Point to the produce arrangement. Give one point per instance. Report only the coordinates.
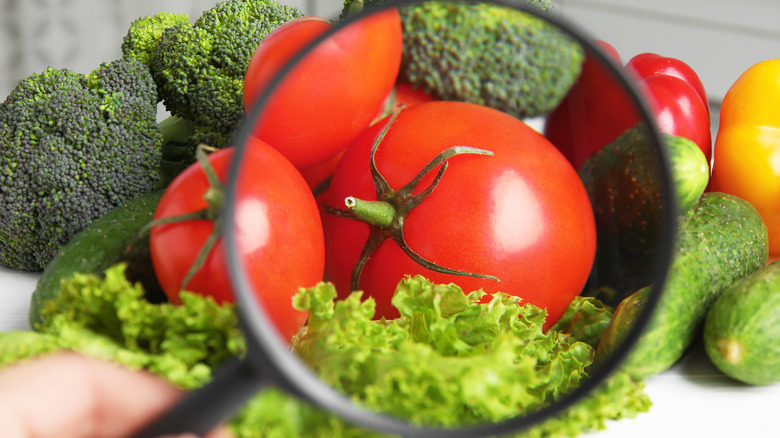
(417, 242)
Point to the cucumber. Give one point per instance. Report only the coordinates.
(108, 240)
(690, 170)
(720, 240)
(742, 328)
(623, 183)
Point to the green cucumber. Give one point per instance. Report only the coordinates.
(690, 170)
(623, 183)
(720, 240)
(742, 329)
(108, 240)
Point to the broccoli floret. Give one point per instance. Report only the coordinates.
(200, 68)
(72, 147)
(486, 54)
(144, 34)
(181, 137)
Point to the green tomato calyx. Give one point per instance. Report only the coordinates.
(379, 213)
(386, 215)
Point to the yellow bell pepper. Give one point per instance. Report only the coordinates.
(747, 147)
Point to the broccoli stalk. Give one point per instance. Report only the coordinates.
(73, 147)
(181, 139)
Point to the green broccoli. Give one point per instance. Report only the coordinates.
(72, 147)
(144, 34)
(199, 68)
(181, 136)
(486, 54)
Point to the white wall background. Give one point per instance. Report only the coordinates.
(719, 38)
(79, 34)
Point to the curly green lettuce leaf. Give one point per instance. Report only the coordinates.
(448, 353)
(440, 358)
(448, 360)
(275, 414)
(585, 318)
(109, 318)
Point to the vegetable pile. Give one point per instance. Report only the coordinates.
(420, 246)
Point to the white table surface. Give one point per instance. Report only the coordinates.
(690, 400)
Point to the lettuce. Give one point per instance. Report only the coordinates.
(108, 318)
(449, 360)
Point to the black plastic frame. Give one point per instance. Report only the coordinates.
(268, 361)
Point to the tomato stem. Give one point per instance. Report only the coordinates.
(377, 213)
(386, 215)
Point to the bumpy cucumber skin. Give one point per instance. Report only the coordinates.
(106, 241)
(719, 241)
(742, 329)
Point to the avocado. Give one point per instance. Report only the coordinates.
(742, 328)
(720, 240)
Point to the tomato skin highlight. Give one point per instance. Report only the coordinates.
(278, 232)
(521, 215)
(333, 93)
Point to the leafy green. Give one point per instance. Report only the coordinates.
(448, 360)
(586, 318)
(109, 318)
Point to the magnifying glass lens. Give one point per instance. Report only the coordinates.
(458, 195)
(497, 189)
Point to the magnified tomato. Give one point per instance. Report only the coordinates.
(333, 93)
(278, 233)
(516, 220)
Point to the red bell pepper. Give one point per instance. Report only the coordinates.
(597, 109)
(648, 64)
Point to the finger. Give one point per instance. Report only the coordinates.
(71, 396)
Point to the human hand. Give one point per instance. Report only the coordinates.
(71, 396)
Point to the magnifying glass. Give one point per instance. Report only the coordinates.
(577, 204)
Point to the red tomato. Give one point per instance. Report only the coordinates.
(278, 229)
(317, 176)
(521, 215)
(335, 91)
(403, 96)
(406, 95)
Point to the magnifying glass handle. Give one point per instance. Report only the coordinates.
(203, 409)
